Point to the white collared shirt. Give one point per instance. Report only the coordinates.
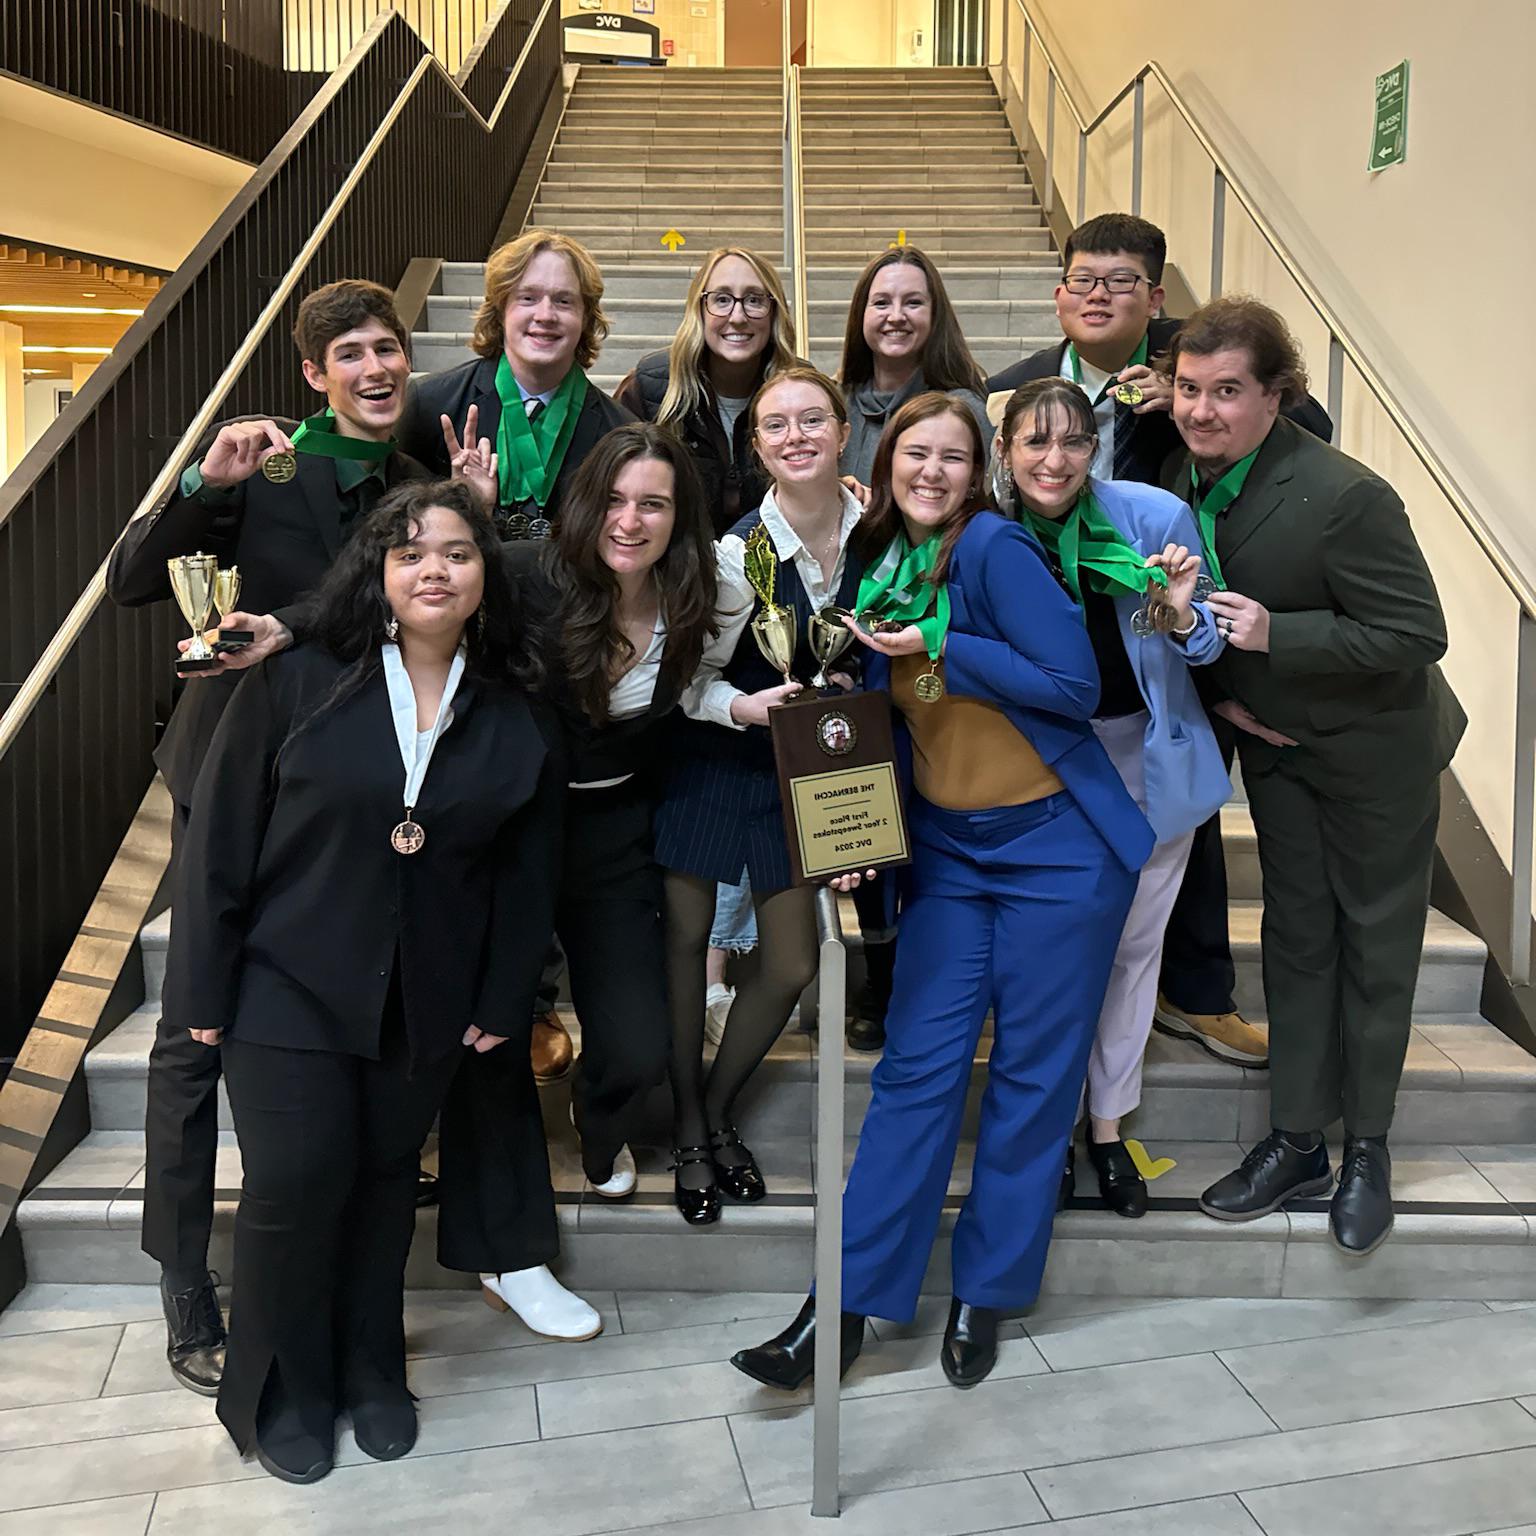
(709, 695)
(1093, 381)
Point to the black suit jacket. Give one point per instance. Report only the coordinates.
(284, 539)
(291, 906)
(452, 392)
(1155, 439)
(1355, 623)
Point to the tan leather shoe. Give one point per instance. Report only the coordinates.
(552, 1051)
(1227, 1036)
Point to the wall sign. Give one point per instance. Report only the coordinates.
(1389, 132)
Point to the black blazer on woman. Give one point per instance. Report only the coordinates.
(291, 906)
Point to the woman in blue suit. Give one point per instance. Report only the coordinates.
(1101, 537)
(1025, 850)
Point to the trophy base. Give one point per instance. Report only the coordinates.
(196, 663)
(233, 639)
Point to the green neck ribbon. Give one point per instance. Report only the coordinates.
(896, 587)
(315, 436)
(530, 453)
(1089, 547)
(1216, 501)
(1138, 360)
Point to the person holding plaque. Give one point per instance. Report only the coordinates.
(1128, 556)
(275, 501)
(1025, 850)
(518, 419)
(367, 889)
(721, 815)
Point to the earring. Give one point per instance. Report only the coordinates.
(392, 629)
(1002, 485)
(480, 622)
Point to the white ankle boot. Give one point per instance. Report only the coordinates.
(544, 1305)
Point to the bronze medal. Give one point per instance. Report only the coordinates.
(408, 837)
(1129, 394)
(280, 467)
(929, 688)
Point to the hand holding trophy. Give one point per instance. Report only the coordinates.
(226, 600)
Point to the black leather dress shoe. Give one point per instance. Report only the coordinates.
(865, 1034)
(1360, 1216)
(741, 1178)
(384, 1422)
(969, 1350)
(1068, 1178)
(1121, 1186)
(698, 1207)
(788, 1360)
(1271, 1174)
(194, 1335)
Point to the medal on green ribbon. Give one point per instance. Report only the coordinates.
(1126, 394)
(1091, 551)
(315, 436)
(896, 591)
(530, 453)
(1210, 506)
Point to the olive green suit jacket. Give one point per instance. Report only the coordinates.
(1355, 631)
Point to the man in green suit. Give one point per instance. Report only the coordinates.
(1333, 629)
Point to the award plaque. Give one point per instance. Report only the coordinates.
(193, 578)
(226, 598)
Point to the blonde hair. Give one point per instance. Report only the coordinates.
(504, 271)
(685, 357)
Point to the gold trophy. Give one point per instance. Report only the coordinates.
(829, 638)
(193, 578)
(773, 627)
(226, 599)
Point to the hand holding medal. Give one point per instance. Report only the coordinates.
(903, 612)
(243, 447)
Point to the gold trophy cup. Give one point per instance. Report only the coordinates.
(226, 599)
(193, 578)
(829, 638)
(773, 626)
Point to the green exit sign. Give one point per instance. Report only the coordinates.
(1389, 137)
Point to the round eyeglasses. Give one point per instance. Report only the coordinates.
(755, 305)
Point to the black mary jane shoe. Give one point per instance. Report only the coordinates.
(1121, 1186)
(698, 1207)
(969, 1350)
(1068, 1178)
(742, 1180)
(194, 1335)
(788, 1360)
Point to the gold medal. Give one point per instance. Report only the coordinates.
(407, 837)
(280, 467)
(929, 688)
(1129, 394)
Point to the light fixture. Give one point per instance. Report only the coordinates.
(64, 309)
(74, 351)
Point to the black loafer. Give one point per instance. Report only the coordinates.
(1121, 1186)
(740, 1180)
(1272, 1173)
(698, 1207)
(194, 1336)
(290, 1454)
(969, 1350)
(788, 1360)
(1360, 1216)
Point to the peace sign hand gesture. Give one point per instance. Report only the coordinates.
(473, 460)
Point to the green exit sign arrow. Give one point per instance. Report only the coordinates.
(1389, 134)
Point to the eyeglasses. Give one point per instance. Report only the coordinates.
(1083, 283)
(774, 429)
(1076, 446)
(721, 301)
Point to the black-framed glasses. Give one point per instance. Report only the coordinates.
(1083, 283)
(755, 304)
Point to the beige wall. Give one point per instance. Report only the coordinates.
(862, 34)
(84, 180)
(1285, 91)
(698, 39)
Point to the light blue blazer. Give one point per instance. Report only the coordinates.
(1187, 782)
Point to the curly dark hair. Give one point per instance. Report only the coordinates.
(1239, 323)
(594, 650)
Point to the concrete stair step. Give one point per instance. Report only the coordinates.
(722, 161)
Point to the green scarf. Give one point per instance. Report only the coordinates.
(315, 436)
(1216, 501)
(530, 453)
(1089, 547)
(896, 587)
(1138, 360)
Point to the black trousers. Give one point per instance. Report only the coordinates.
(181, 1128)
(331, 1150)
(1197, 971)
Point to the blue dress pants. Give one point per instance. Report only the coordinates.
(1019, 910)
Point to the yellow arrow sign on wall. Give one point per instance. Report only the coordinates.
(672, 240)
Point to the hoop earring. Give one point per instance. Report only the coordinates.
(392, 629)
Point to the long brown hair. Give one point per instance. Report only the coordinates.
(946, 363)
(882, 521)
(594, 649)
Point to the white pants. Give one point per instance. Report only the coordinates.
(1114, 1067)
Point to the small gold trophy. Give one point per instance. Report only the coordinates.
(193, 578)
(829, 638)
(773, 627)
(226, 599)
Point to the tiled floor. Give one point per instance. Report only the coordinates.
(1105, 1417)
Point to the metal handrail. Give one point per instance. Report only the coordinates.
(68, 633)
(1342, 347)
(799, 279)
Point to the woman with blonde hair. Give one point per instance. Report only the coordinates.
(736, 333)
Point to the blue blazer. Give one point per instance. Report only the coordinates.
(1186, 780)
(1017, 640)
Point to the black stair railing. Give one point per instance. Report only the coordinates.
(393, 159)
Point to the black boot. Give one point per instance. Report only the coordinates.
(1275, 1171)
(288, 1450)
(383, 1416)
(1121, 1186)
(1068, 1178)
(194, 1334)
(787, 1360)
(969, 1350)
(866, 1030)
(1360, 1216)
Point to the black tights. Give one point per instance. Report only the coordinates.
(786, 939)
